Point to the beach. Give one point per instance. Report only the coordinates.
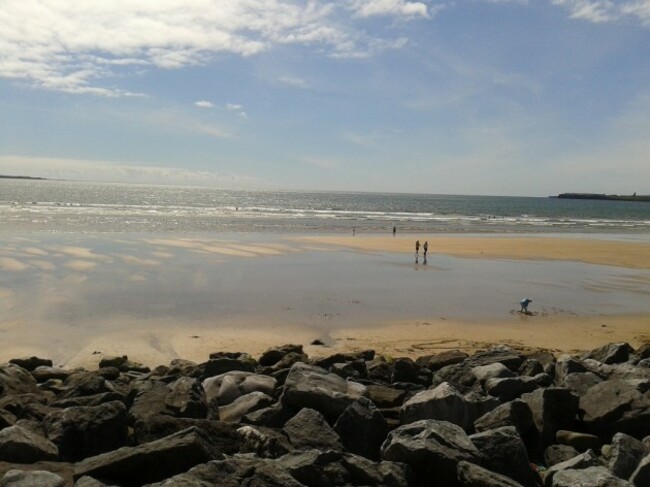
(155, 298)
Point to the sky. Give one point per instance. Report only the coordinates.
(492, 97)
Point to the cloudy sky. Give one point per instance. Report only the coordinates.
(500, 97)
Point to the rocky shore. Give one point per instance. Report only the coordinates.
(495, 418)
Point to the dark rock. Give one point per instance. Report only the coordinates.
(406, 370)
(355, 370)
(503, 451)
(385, 397)
(641, 476)
(19, 445)
(123, 364)
(471, 475)
(186, 398)
(31, 478)
(379, 370)
(617, 406)
(431, 448)
(244, 405)
(587, 477)
(566, 365)
(366, 472)
(15, 380)
(223, 436)
(514, 413)
(555, 454)
(500, 353)
(263, 442)
(460, 376)
(531, 367)
(218, 366)
(579, 441)
(84, 384)
(25, 406)
(510, 388)
(308, 429)
(553, 409)
(80, 432)
(580, 382)
(339, 358)
(315, 388)
(94, 400)
(151, 462)
(544, 380)
(150, 399)
(614, 353)
(316, 469)
(274, 416)
(275, 354)
(579, 462)
(288, 360)
(362, 428)
(625, 454)
(492, 371)
(30, 363)
(442, 359)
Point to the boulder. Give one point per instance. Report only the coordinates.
(353, 370)
(460, 376)
(579, 441)
(186, 398)
(31, 478)
(406, 370)
(149, 399)
(530, 368)
(579, 462)
(555, 454)
(617, 406)
(273, 416)
(275, 354)
(442, 359)
(341, 358)
(379, 370)
(471, 475)
(83, 383)
(503, 451)
(14, 380)
(225, 388)
(613, 353)
(315, 468)
(501, 354)
(19, 445)
(30, 363)
(263, 442)
(315, 388)
(641, 476)
(431, 448)
(384, 396)
(308, 429)
(596, 476)
(150, 462)
(244, 405)
(553, 409)
(580, 382)
(80, 432)
(221, 365)
(362, 428)
(514, 413)
(507, 389)
(625, 455)
(94, 400)
(492, 371)
(566, 365)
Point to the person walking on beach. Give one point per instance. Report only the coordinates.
(425, 248)
(394, 230)
(417, 250)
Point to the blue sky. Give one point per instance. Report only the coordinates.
(496, 97)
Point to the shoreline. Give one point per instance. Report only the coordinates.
(327, 312)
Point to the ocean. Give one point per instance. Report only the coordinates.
(67, 206)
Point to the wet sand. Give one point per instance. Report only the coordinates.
(154, 299)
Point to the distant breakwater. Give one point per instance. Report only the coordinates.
(608, 197)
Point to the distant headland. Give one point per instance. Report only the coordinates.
(4, 176)
(609, 197)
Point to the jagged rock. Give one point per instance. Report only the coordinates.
(15, 380)
(613, 353)
(385, 397)
(263, 442)
(555, 454)
(123, 364)
(514, 413)
(83, 383)
(339, 358)
(244, 405)
(221, 365)
(510, 388)
(566, 365)
(625, 454)
(379, 370)
(223, 436)
(500, 353)
(149, 399)
(531, 367)
(445, 403)
(87, 481)
(274, 416)
(317, 469)
(617, 406)
(94, 400)
(31, 478)
(179, 366)
(225, 388)
(588, 477)
(553, 409)
(308, 429)
(641, 476)
(80, 432)
(313, 387)
(24, 406)
(503, 451)
(366, 472)
(580, 382)
(186, 398)
(492, 371)
(579, 441)
(151, 462)
(109, 373)
(431, 448)
(471, 475)
(30, 363)
(579, 462)
(625, 371)
(275, 354)
(460, 376)
(442, 359)
(288, 360)
(354, 370)
(362, 428)
(19, 445)
(406, 370)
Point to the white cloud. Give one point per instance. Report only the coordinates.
(75, 47)
(293, 81)
(204, 104)
(238, 109)
(600, 11)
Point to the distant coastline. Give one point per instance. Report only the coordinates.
(4, 176)
(608, 197)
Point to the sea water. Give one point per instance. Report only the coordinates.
(67, 206)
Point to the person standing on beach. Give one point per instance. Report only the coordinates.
(394, 230)
(425, 248)
(417, 250)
